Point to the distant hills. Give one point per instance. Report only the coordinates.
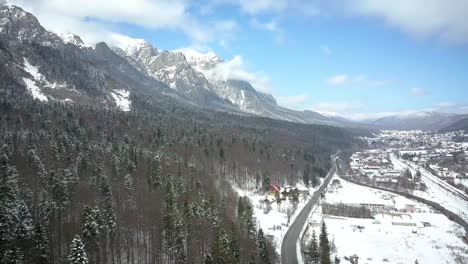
(461, 124)
(417, 120)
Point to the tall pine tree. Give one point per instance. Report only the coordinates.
(313, 253)
(77, 252)
(324, 245)
(263, 252)
(9, 216)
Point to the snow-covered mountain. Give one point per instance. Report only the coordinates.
(461, 124)
(200, 61)
(195, 75)
(173, 69)
(52, 67)
(422, 120)
(38, 64)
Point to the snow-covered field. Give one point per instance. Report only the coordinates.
(439, 193)
(392, 238)
(376, 243)
(275, 223)
(354, 194)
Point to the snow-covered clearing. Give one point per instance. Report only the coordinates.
(393, 237)
(31, 83)
(350, 193)
(275, 223)
(34, 90)
(122, 99)
(38, 78)
(436, 191)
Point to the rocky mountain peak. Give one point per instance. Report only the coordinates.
(73, 39)
(200, 61)
(140, 48)
(19, 25)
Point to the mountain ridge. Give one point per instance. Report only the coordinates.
(75, 72)
(417, 120)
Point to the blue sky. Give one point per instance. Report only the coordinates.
(356, 58)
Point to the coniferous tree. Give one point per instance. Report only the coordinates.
(313, 253)
(9, 217)
(324, 245)
(315, 180)
(179, 243)
(208, 259)
(248, 220)
(155, 174)
(40, 253)
(24, 229)
(306, 175)
(234, 246)
(220, 246)
(266, 181)
(92, 227)
(77, 252)
(263, 252)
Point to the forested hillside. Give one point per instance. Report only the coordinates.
(147, 186)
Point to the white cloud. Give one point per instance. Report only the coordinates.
(418, 92)
(236, 69)
(338, 79)
(363, 80)
(256, 7)
(442, 18)
(292, 101)
(423, 18)
(451, 107)
(269, 26)
(96, 20)
(337, 108)
(444, 104)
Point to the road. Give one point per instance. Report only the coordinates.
(438, 190)
(289, 245)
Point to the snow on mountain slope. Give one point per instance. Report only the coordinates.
(122, 99)
(173, 69)
(31, 83)
(200, 61)
(75, 40)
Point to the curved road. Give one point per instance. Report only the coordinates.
(289, 245)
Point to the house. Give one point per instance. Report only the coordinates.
(274, 189)
(426, 224)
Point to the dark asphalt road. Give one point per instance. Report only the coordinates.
(289, 245)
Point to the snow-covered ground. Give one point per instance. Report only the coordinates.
(38, 78)
(464, 182)
(436, 192)
(437, 244)
(31, 83)
(122, 99)
(275, 223)
(391, 238)
(351, 193)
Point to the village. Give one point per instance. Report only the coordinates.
(444, 155)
